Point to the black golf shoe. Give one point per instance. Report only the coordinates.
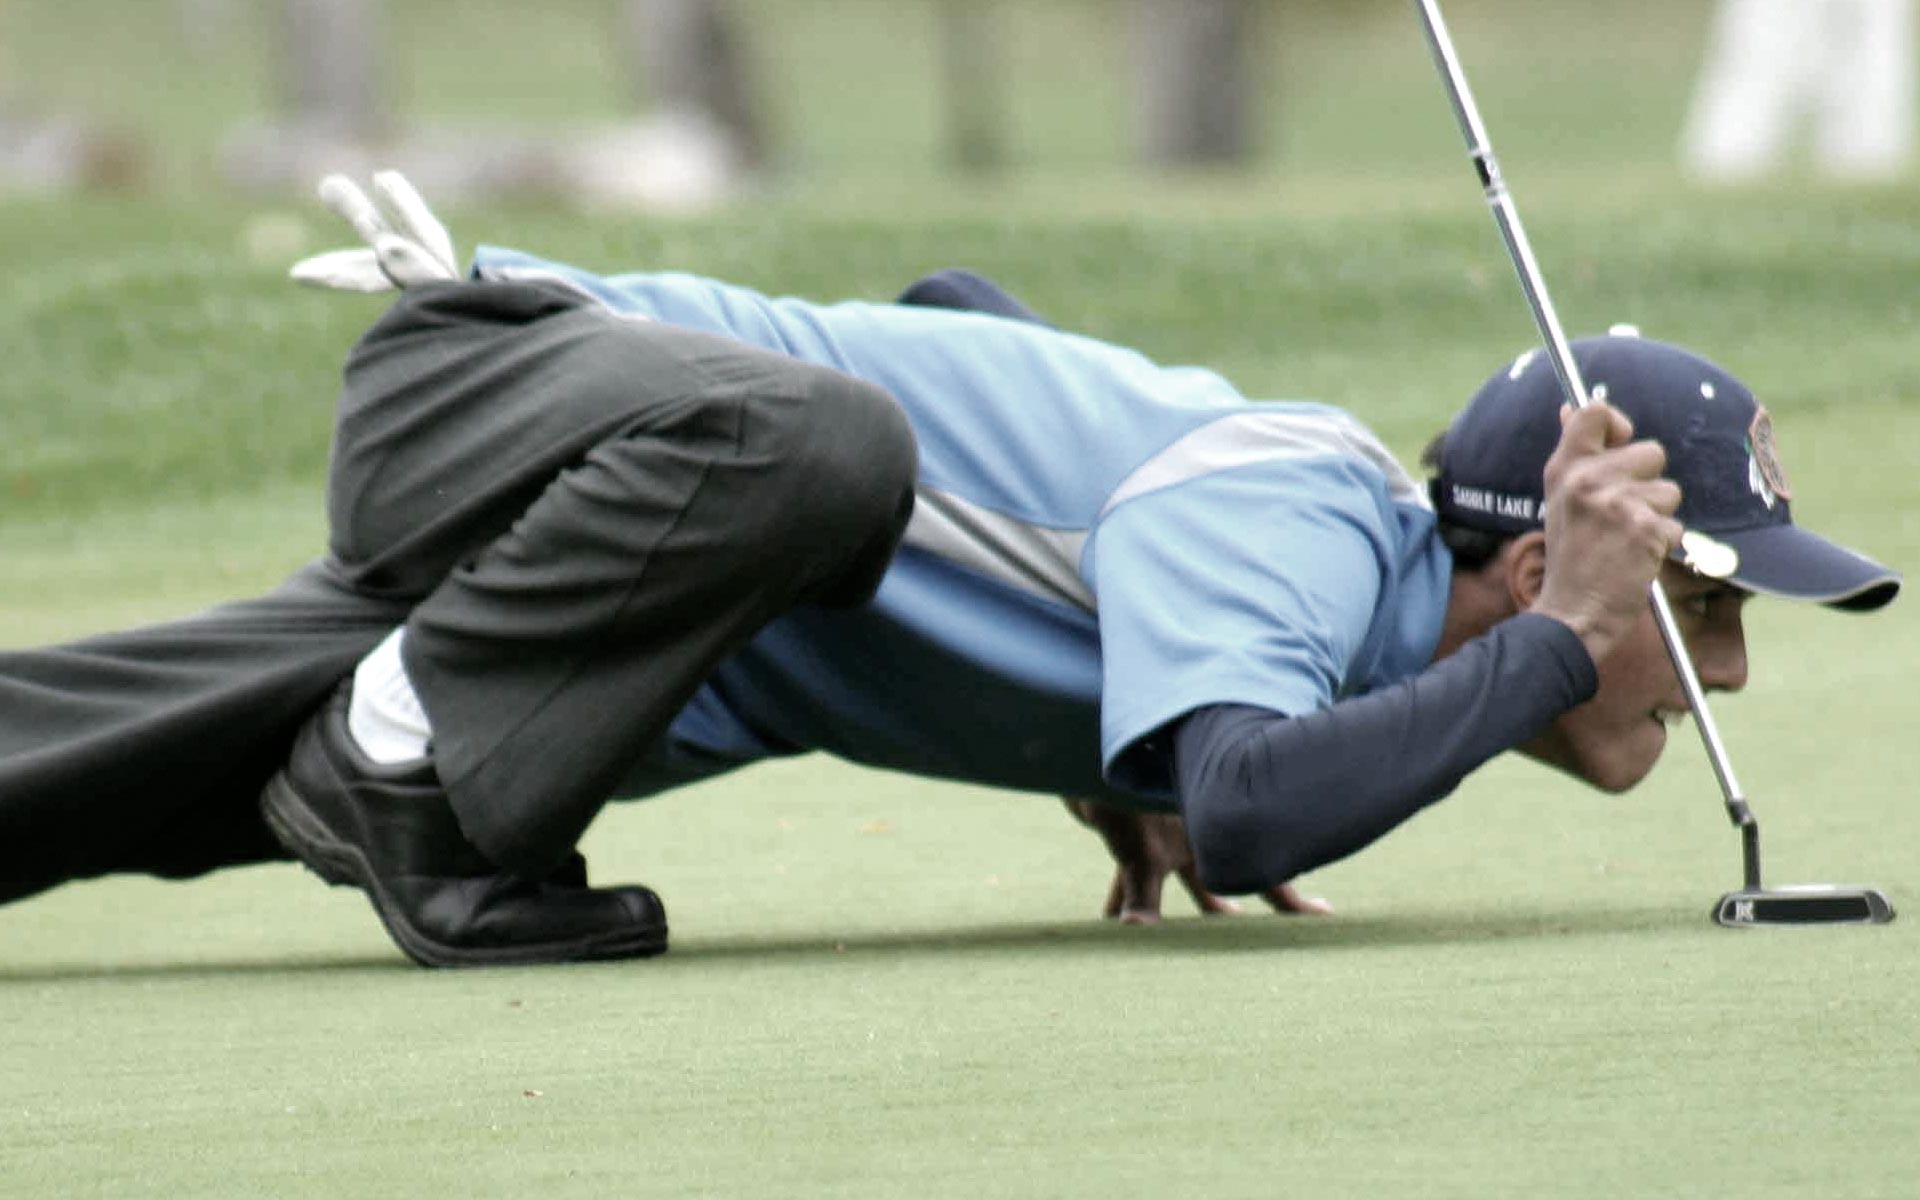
(390, 832)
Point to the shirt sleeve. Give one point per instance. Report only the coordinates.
(1255, 585)
(671, 297)
(1267, 797)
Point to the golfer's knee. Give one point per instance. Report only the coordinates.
(858, 480)
(861, 458)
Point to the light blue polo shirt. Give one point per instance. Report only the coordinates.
(1100, 545)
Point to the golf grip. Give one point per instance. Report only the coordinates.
(1507, 217)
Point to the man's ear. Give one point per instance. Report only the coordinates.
(1523, 567)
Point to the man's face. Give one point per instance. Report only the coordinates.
(1614, 739)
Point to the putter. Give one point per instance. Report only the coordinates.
(1753, 904)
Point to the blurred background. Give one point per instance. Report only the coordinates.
(1274, 188)
(685, 104)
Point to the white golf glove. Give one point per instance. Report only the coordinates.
(406, 244)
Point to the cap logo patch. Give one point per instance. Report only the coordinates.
(1496, 504)
(1765, 475)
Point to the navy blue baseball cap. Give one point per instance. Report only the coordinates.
(1736, 502)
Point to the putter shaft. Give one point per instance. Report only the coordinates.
(1520, 250)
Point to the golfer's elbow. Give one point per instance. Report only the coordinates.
(1252, 824)
(1243, 842)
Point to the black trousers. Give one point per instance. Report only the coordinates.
(575, 514)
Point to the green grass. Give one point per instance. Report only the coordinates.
(882, 985)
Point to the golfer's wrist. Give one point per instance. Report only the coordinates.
(1579, 642)
(1596, 636)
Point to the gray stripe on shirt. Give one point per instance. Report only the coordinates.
(1045, 562)
(1040, 561)
(1249, 437)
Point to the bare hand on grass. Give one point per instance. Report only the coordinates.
(1148, 847)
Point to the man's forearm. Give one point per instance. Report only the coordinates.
(1267, 797)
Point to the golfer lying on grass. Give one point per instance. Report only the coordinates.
(595, 538)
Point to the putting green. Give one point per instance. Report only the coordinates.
(883, 984)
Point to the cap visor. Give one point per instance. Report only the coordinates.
(1786, 560)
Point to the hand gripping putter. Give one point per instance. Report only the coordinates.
(1753, 904)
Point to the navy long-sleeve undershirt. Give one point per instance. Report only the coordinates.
(1268, 797)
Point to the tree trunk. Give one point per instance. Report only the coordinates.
(1195, 81)
(972, 86)
(332, 67)
(691, 55)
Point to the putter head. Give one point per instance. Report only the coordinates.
(1806, 904)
